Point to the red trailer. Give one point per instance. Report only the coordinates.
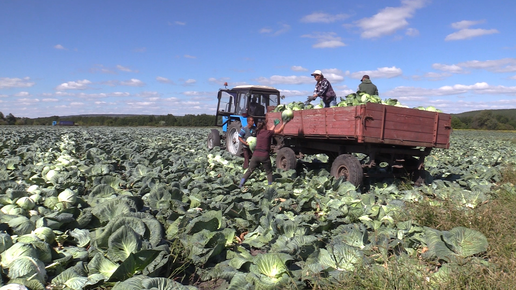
(391, 139)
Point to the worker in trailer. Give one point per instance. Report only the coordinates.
(324, 90)
(367, 86)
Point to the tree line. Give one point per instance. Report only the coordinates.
(201, 120)
(483, 120)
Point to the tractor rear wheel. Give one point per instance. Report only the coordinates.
(347, 166)
(286, 159)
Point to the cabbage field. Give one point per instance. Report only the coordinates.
(152, 208)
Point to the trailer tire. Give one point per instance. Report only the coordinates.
(348, 167)
(286, 159)
(233, 145)
(213, 139)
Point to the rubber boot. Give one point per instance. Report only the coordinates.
(242, 181)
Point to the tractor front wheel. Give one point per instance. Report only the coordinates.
(213, 139)
(233, 145)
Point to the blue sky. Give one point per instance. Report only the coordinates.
(171, 57)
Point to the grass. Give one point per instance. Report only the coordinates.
(496, 219)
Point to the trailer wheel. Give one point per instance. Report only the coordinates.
(213, 139)
(348, 167)
(286, 159)
(233, 145)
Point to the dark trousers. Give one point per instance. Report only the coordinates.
(257, 160)
(330, 102)
(247, 156)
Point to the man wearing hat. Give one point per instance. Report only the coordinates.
(323, 90)
(367, 86)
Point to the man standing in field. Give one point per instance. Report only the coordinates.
(367, 86)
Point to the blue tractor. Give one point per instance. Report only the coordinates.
(233, 108)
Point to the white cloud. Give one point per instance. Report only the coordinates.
(282, 29)
(148, 94)
(102, 69)
(513, 77)
(7, 83)
(196, 93)
(180, 23)
(295, 93)
(381, 72)
(298, 68)
(27, 101)
(92, 96)
(289, 80)
(465, 32)
(132, 83)
(22, 94)
(126, 69)
(469, 33)
(189, 56)
(78, 85)
(325, 40)
(219, 81)
(477, 88)
(141, 104)
(190, 82)
(118, 94)
(59, 46)
(49, 100)
(164, 80)
(412, 32)
(390, 19)
(448, 68)
(320, 17)
(333, 75)
(466, 23)
(499, 65)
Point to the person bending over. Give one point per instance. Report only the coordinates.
(261, 153)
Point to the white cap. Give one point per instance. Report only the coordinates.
(317, 72)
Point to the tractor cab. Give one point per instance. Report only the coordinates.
(233, 108)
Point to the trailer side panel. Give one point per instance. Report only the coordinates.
(371, 123)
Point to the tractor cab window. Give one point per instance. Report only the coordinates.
(227, 102)
(273, 100)
(240, 104)
(257, 105)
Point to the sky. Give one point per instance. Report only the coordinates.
(64, 57)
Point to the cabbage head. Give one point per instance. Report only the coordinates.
(252, 142)
(287, 115)
(5, 241)
(67, 196)
(25, 203)
(15, 252)
(45, 234)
